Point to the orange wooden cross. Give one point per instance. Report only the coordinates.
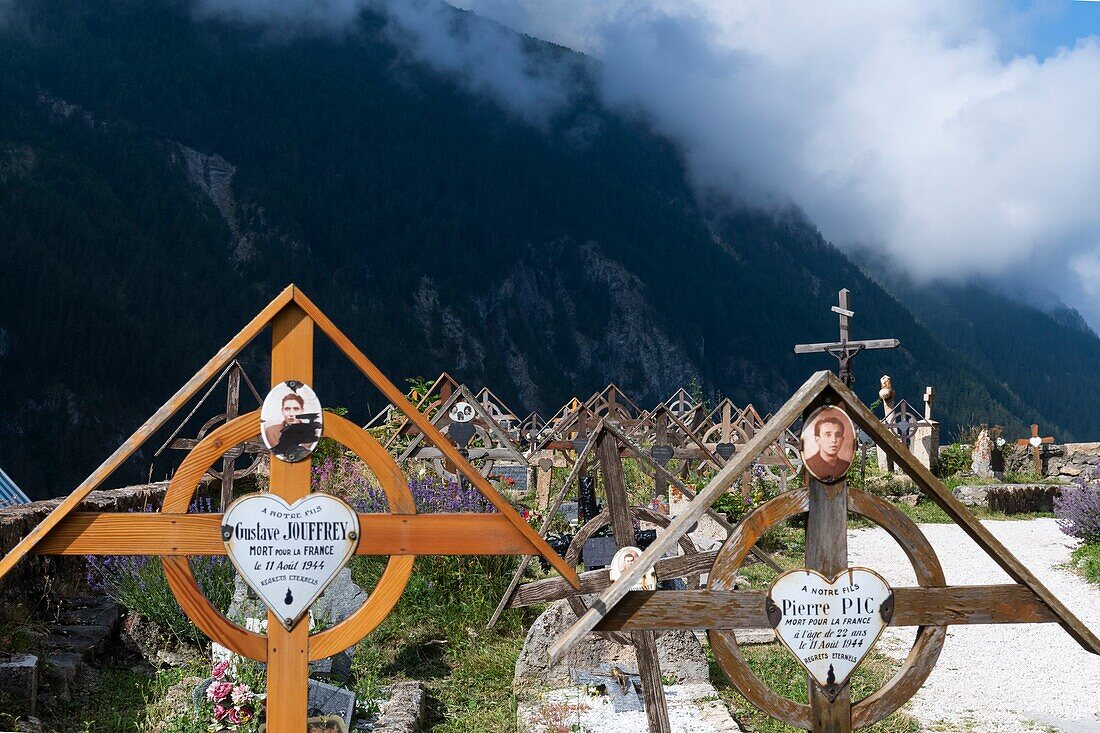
(174, 534)
(1035, 443)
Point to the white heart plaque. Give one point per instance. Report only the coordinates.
(289, 553)
(830, 625)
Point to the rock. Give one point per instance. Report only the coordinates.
(19, 680)
(754, 636)
(176, 703)
(29, 724)
(910, 499)
(406, 709)
(981, 456)
(972, 495)
(680, 654)
(144, 638)
(692, 708)
(60, 673)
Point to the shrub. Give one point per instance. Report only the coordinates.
(350, 479)
(138, 583)
(1078, 509)
(954, 459)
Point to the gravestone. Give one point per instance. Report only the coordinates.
(569, 511)
(925, 442)
(981, 456)
(681, 656)
(708, 534)
(598, 551)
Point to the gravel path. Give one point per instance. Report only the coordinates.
(1002, 678)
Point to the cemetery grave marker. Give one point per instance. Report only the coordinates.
(931, 606)
(255, 449)
(174, 534)
(1035, 445)
(845, 350)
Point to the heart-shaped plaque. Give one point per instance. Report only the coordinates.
(289, 553)
(830, 625)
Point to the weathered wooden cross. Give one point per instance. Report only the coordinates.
(174, 534)
(931, 606)
(1035, 445)
(254, 449)
(845, 349)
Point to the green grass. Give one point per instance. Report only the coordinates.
(778, 669)
(1086, 560)
(116, 704)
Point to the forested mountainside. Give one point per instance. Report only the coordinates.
(162, 178)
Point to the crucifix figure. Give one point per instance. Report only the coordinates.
(845, 349)
(1035, 443)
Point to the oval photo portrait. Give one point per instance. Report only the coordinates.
(290, 421)
(623, 560)
(828, 444)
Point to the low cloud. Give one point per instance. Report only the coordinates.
(914, 127)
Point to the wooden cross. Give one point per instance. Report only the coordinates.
(174, 534)
(1035, 444)
(229, 471)
(931, 606)
(845, 349)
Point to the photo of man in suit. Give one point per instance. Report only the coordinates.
(828, 444)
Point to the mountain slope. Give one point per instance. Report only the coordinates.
(436, 230)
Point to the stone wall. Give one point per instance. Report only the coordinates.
(36, 575)
(1070, 460)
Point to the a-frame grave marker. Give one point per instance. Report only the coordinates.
(931, 606)
(174, 534)
(497, 443)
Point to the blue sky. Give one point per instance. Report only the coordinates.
(1055, 23)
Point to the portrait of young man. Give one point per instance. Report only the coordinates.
(291, 421)
(828, 444)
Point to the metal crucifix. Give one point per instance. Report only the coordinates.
(845, 349)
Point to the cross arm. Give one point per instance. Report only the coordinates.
(833, 346)
(117, 533)
(744, 609)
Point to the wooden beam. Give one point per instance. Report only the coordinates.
(398, 400)
(594, 581)
(687, 491)
(154, 423)
(868, 344)
(118, 533)
(680, 525)
(744, 609)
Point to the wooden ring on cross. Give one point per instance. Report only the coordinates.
(325, 643)
(257, 457)
(573, 555)
(922, 656)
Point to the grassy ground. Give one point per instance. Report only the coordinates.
(778, 669)
(1086, 560)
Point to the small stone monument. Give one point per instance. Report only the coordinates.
(708, 534)
(925, 443)
(981, 456)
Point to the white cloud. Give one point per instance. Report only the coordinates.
(909, 126)
(896, 125)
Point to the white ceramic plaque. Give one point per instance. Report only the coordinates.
(830, 625)
(289, 553)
